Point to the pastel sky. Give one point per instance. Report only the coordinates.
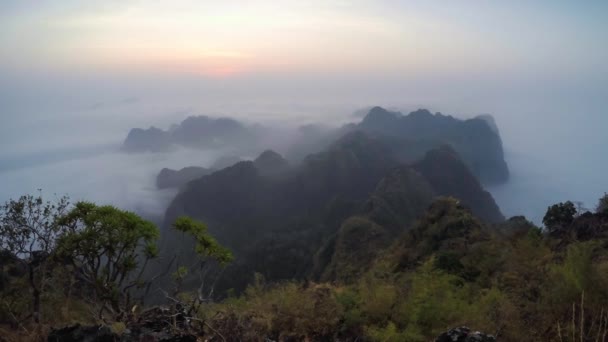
(76, 75)
(238, 37)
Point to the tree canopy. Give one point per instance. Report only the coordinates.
(559, 215)
(107, 245)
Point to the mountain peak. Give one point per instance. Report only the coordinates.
(270, 162)
(151, 140)
(421, 113)
(379, 116)
(489, 119)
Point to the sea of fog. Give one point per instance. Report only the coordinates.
(104, 177)
(79, 156)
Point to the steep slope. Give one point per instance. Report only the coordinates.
(446, 229)
(277, 223)
(449, 176)
(397, 201)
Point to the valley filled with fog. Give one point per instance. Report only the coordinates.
(554, 150)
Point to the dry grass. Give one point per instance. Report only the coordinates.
(29, 334)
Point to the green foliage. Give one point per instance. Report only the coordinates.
(434, 300)
(446, 228)
(351, 303)
(205, 244)
(29, 231)
(356, 247)
(535, 235)
(389, 333)
(602, 205)
(576, 274)
(82, 259)
(107, 246)
(180, 273)
(559, 215)
(378, 297)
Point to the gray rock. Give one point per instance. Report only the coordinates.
(464, 334)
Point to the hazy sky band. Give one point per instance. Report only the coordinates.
(228, 38)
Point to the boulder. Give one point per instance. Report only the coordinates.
(464, 334)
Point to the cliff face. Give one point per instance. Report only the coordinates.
(476, 140)
(449, 176)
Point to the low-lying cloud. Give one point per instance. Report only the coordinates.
(109, 177)
(554, 139)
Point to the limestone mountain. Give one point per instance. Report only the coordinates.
(276, 223)
(270, 163)
(195, 132)
(396, 203)
(476, 140)
(203, 131)
(147, 140)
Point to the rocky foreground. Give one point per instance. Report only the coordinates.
(162, 330)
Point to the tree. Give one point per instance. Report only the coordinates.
(106, 246)
(29, 231)
(205, 245)
(602, 205)
(559, 215)
(208, 251)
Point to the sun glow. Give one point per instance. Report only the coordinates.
(239, 37)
